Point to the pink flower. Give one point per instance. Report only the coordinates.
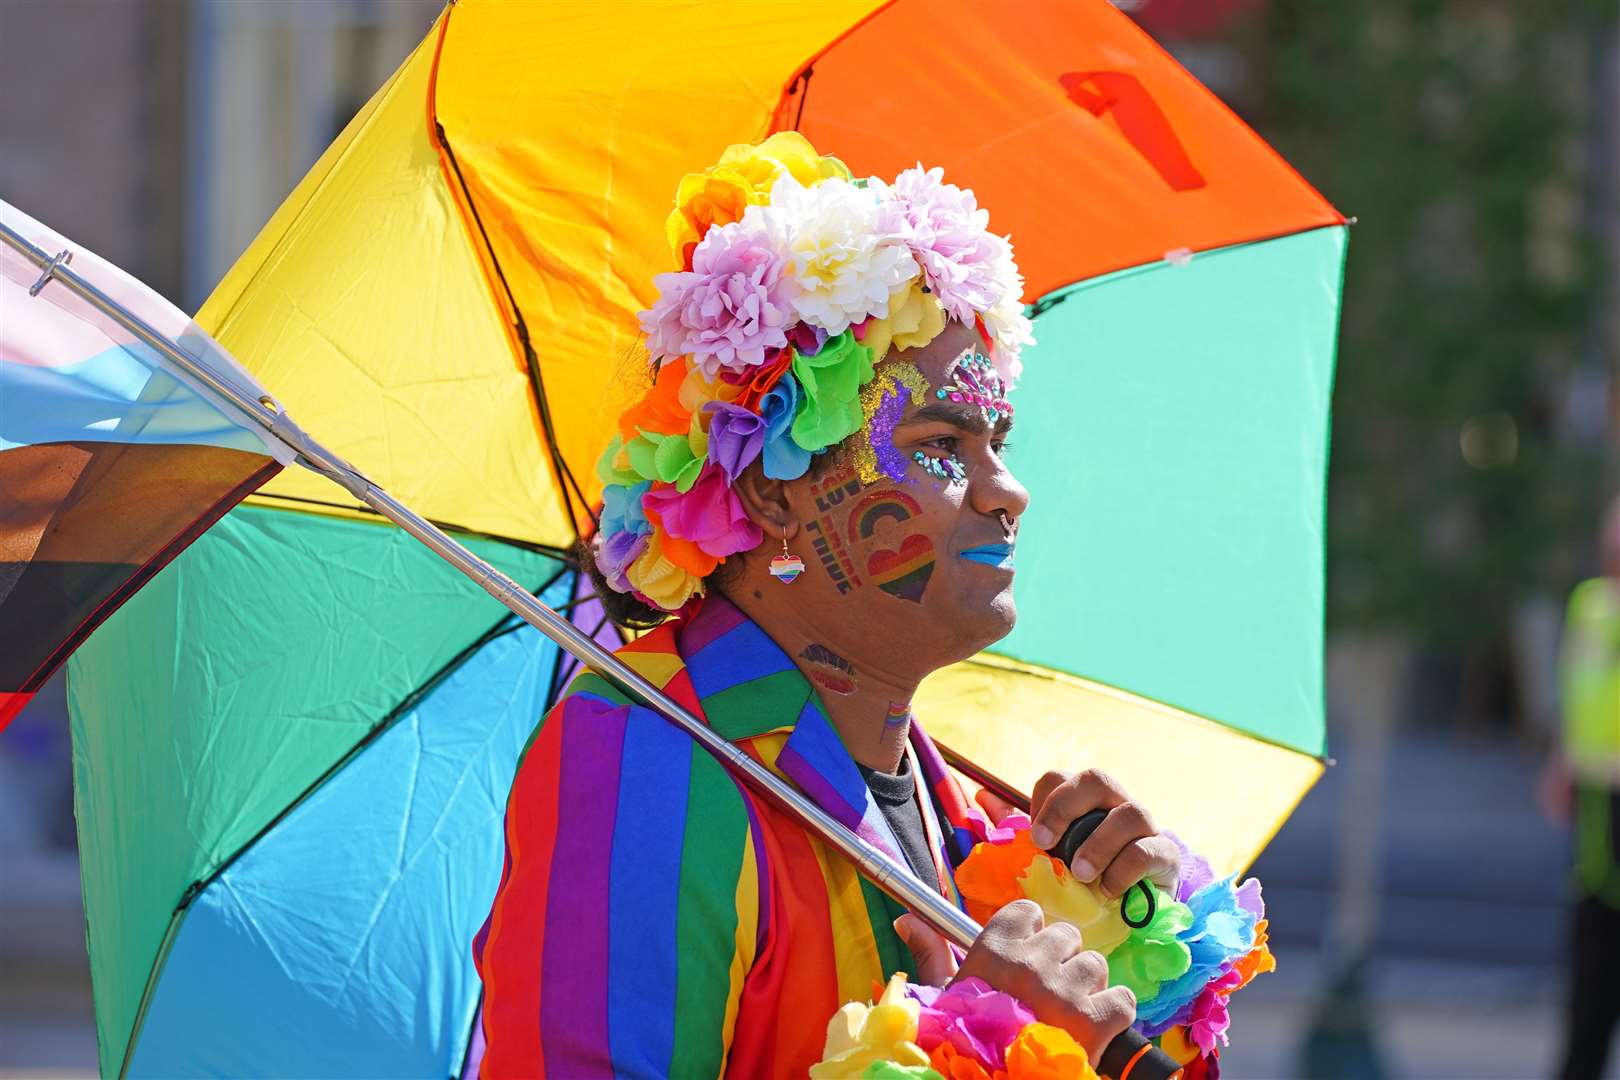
(977, 1021)
(963, 264)
(731, 307)
(709, 514)
(1210, 1019)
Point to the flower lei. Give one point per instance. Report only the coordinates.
(1206, 940)
(966, 1031)
(795, 280)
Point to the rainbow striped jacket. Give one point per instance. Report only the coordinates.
(655, 918)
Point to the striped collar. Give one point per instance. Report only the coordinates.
(748, 687)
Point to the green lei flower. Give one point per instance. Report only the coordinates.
(1153, 954)
(830, 407)
(888, 1070)
(672, 459)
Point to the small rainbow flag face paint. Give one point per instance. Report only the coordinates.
(785, 568)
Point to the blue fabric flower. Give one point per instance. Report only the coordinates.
(784, 458)
(621, 509)
(1222, 931)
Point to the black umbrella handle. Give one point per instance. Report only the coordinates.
(1129, 1056)
(1078, 832)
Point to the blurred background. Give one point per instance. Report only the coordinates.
(1420, 895)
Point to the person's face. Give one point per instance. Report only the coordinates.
(917, 552)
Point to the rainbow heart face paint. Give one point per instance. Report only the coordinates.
(997, 555)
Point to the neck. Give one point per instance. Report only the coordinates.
(870, 706)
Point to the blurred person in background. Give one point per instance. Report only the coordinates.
(1583, 785)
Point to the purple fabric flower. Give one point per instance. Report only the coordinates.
(977, 1020)
(733, 305)
(615, 553)
(709, 514)
(736, 437)
(807, 339)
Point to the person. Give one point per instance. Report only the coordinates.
(808, 511)
(1585, 780)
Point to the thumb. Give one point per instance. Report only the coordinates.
(936, 964)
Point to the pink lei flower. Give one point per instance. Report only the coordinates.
(732, 306)
(946, 231)
(978, 1021)
(709, 514)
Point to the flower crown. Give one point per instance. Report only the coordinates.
(796, 279)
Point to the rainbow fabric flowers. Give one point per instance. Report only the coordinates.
(1204, 942)
(966, 1031)
(794, 281)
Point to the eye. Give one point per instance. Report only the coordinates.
(945, 444)
(1000, 446)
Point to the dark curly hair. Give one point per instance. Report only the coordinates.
(627, 611)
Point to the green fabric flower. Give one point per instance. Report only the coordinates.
(1153, 954)
(888, 1070)
(831, 381)
(612, 474)
(672, 459)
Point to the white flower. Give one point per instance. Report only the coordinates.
(845, 250)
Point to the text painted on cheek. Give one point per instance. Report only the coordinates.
(824, 535)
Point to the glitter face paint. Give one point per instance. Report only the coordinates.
(883, 401)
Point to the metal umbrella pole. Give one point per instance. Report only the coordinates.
(1141, 1060)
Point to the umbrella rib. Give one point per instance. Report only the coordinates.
(506, 625)
(570, 486)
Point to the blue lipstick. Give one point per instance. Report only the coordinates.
(999, 555)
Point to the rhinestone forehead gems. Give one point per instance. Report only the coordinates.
(973, 381)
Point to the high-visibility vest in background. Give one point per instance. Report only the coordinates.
(1589, 678)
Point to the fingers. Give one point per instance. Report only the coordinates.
(1061, 797)
(936, 964)
(993, 805)
(1110, 1012)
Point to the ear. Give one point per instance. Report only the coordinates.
(767, 503)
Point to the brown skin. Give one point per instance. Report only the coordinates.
(895, 633)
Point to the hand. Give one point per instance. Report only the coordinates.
(1123, 850)
(1045, 967)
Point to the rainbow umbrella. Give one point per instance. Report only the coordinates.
(293, 747)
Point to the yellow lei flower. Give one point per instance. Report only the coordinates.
(915, 318)
(861, 1034)
(660, 580)
(742, 178)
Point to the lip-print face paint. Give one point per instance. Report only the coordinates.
(972, 380)
(828, 670)
(883, 400)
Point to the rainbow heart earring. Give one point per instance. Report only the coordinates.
(786, 566)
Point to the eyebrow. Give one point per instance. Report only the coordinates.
(959, 415)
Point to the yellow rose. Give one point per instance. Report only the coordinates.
(915, 318)
(742, 178)
(660, 580)
(860, 1034)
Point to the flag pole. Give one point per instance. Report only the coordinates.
(267, 413)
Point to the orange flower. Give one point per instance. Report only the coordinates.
(1043, 1052)
(661, 410)
(954, 1066)
(989, 877)
(1258, 960)
(762, 379)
